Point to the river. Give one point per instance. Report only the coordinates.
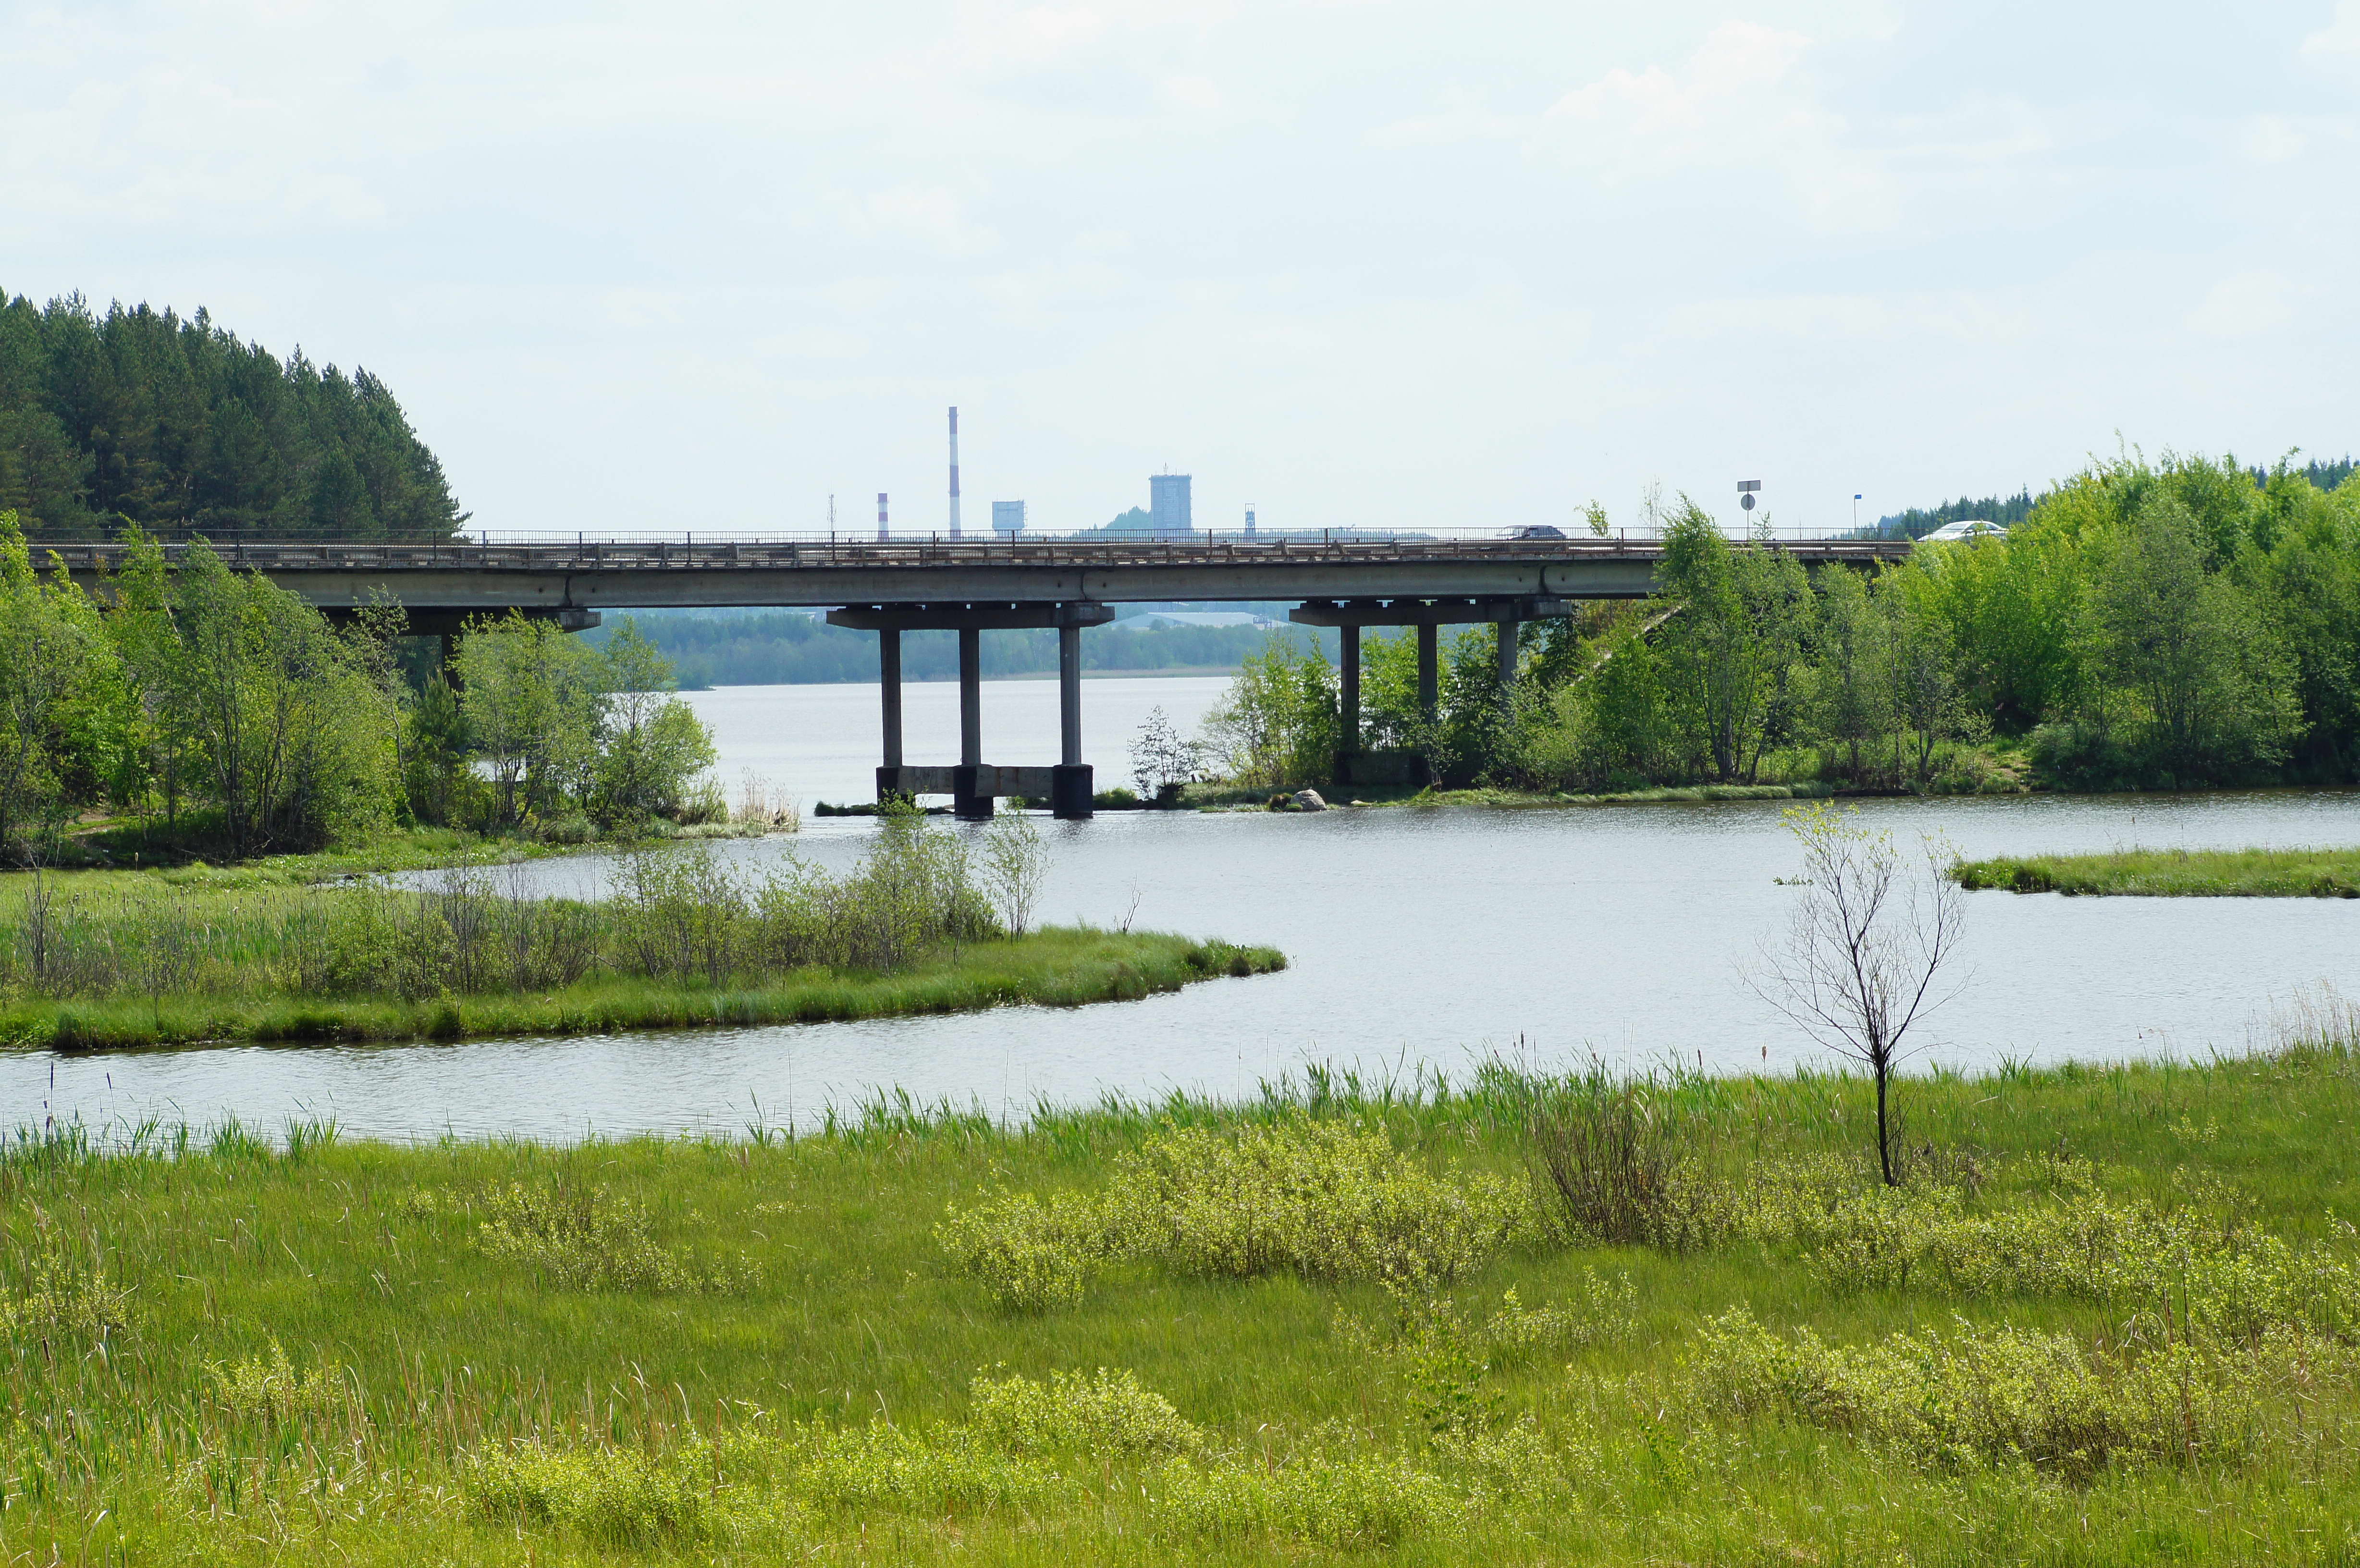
(1419, 938)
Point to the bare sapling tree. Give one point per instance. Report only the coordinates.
(1868, 942)
(1015, 859)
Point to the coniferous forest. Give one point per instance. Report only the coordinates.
(177, 425)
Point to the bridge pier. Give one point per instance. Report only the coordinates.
(888, 688)
(974, 785)
(1348, 739)
(1429, 672)
(1354, 765)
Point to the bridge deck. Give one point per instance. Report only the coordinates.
(468, 576)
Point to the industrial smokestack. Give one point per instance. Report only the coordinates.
(954, 522)
(880, 516)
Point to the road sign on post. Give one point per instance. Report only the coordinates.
(1745, 488)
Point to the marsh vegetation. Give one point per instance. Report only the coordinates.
(922, 921)
(2323, 873)
(2108, 1315)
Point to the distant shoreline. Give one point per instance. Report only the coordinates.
(1026, 675)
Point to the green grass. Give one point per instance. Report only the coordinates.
(1058, 967)
(2176, 874)
(219, 1352)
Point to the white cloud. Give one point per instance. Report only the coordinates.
(2272, 138)
(2244, 305)
(930, 214)
(2339, 41)
(1741, 101)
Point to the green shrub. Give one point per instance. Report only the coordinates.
(1029, 1255)
(1602, 1316)
(2206, 1278)
(1320, 1199)
(64, 1297)
(612, 1495)
(1987, 1395)
(1104, 1415)
(270, 1390)
(587, 1238)
(1360, 1501)
(943, 1467)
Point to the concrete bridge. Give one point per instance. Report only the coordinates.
(1349, 580)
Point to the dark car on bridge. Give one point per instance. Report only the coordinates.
(1535, 531)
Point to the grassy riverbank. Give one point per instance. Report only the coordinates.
(1053, 968)
(2176, 873)
(2112, 1320)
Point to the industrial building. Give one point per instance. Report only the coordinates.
(1167, 506)
(1008, 517)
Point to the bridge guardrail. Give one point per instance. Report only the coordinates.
(583, 553)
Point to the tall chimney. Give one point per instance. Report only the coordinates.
(880, 516)
(954, 522)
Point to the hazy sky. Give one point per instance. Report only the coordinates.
(699, 266)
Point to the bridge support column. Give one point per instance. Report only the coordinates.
(1429, 672)
(1347, 737)
(888, 690)
(966, 803)
(1070, 790)
(1507, 668)
(974, 785)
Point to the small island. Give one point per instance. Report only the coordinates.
(197, 955)
(2174, 874)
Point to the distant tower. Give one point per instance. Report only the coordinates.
(880, 516)
(954, 522)
(1007, 517)
(1167, 506)
(1249, 525)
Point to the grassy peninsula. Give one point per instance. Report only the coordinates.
(2176, 874)
(926, 921)
(2113, 1316)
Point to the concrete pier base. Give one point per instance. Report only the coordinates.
(1071, 791)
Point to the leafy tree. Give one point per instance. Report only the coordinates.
(534, 700)
(1731, 654)
(53, 657)
(654, 743)
(2215, 686)
(1278, 722)
(274, 710)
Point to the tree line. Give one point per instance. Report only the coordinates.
(170, 423)
(210, 711)
(2150, 624)
(789, 647)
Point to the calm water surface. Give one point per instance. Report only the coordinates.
(1417, 938)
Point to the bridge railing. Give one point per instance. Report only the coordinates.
(607, 551)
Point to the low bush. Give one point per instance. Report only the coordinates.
(1984, 1396)
(584, 1238)
(1359, 1501)
(883, 1465)
(1321, 1200)
(2191, 1272)
(614, 1496)
(1104, 1414)
(271, 1390)
(1606, 1153)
